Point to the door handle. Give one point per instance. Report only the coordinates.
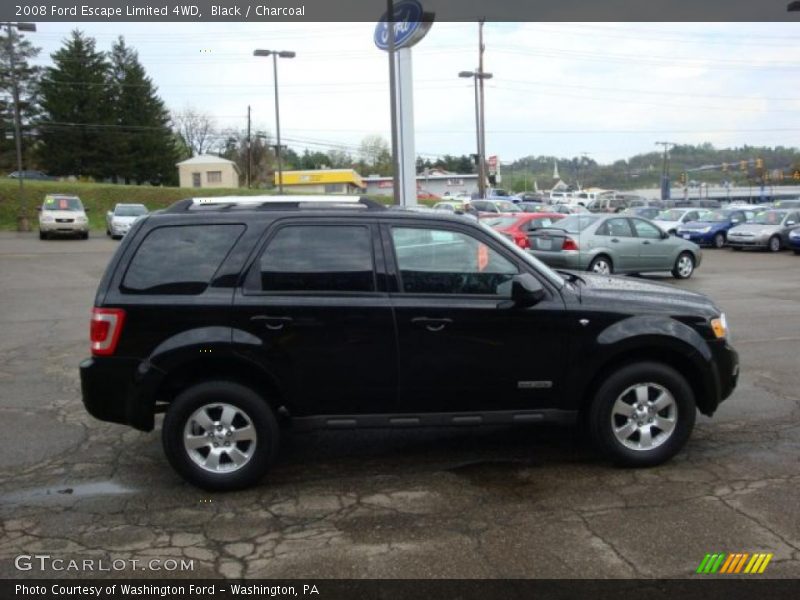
(615, 240)
(271, 322)
(646, 243)
(431, 324)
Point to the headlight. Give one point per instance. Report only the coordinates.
(48, 219)
(765, 232)
(80, 219)
(705, 230)
(720, 326)
(795, 234)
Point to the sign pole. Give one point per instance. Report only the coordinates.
(404, 24)
(397, 192)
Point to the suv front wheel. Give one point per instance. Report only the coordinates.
(642, 415)
(220, 435)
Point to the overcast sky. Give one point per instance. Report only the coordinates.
(609, 90)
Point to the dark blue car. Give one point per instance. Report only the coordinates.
(712, 227)
(794, 240)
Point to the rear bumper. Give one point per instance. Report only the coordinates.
(120, 390)
(562, 260)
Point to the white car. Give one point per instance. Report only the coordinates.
(671, 219)
(119, 220)
(61, 214)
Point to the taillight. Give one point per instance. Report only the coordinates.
(105, 329)
(522, 241)
(569, 244)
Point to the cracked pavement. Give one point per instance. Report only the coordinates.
(458, 503)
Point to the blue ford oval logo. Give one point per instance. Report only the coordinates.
(410, 26)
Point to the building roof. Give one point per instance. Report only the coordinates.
(207, 159)
(321, 176)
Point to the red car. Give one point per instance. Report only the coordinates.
(516, 227)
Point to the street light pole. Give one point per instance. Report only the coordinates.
(479, 75)
(275, 55)
(22, 218)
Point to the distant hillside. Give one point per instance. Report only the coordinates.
(644, 170)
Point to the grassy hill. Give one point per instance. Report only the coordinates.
(97, 197)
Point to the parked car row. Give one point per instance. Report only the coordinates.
(65, 215)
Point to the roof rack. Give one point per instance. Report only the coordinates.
(273, 202)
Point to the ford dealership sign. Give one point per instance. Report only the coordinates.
(411, 24)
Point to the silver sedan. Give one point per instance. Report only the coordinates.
(769, 229)
(614, 244)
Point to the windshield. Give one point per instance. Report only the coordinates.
(576, 223)
(505, 206)
(500, 221)
(674, 214)
(131, 210)
(72, 203)
(715, 216)
(542, 268)
(770, 217)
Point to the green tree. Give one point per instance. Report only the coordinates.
(13, 44)
(77, 121)
(144, 147)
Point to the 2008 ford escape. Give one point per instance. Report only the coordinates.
(336, 312)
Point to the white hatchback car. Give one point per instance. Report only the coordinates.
(61, 214)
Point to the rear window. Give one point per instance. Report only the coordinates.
(179, 259)
(576, 223)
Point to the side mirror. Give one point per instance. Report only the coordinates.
(86, 209)
(525, 291)
(790, 222)
(39, 208)
(664, 235)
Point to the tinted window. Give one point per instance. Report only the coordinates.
(433, 261)
(179, 260)
(72, 203)
(318, 258)
(646, 230)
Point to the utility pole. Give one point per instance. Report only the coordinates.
(665, 191)
(249, 151)
(482, 157)
(393, 106)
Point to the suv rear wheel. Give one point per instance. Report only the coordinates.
(220, 435)
(642, 415)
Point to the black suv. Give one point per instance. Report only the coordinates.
(229, 314)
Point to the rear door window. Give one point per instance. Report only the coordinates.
(317, 258)
(179, 259)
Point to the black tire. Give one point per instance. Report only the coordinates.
(85, 236)
(250, 405)
(108, 232)
(774, 244)
(719, 240)
(597, 261)
(797, 252)
(620, 385)
(42, 235)
(737, 248)
(681, 270)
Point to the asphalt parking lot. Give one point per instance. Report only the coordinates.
(522, 502)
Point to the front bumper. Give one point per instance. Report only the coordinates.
(120, 390)
(64, 228)
(701, 239)
(748, 242)
(726, 361)
(119, 230)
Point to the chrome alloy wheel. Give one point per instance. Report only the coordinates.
(219, 438)
(601, 266)
(685, 266)
(644, 416)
